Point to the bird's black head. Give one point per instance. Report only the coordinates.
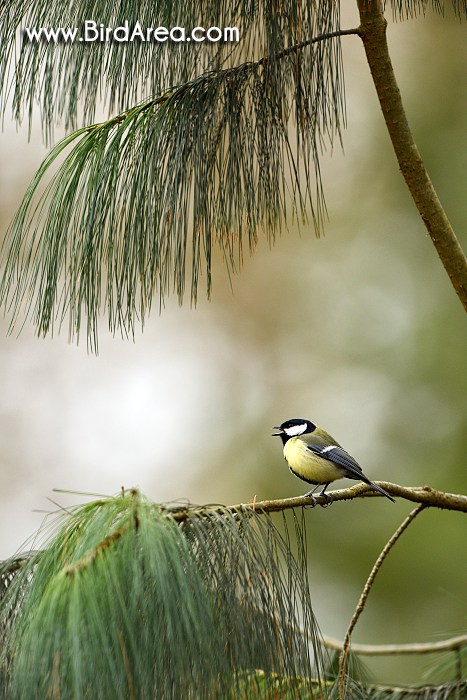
(293, 428)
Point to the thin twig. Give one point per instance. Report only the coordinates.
(157, 101)
(451, 644)
(91, 556)
(303, 44)
(363, 598)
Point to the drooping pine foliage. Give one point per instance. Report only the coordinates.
(212, 144)
(152, 193)
(126, 602)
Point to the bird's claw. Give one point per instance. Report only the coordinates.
(328, 498)
(312, 498)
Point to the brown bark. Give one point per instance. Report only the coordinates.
(424, 495)
(372, 31)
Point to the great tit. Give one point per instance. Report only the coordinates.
(314, 456)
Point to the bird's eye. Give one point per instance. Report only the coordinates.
(295, 429)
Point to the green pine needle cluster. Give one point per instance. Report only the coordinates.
(144, 201)
(158, 189)
(126, 602)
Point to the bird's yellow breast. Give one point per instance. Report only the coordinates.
(309, 466)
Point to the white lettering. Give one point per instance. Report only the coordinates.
(121, 33)
(137, 32)
(90, 30)
(195, 36)
(214, 34)
(231, 34)
(161, 34)
(177, 34)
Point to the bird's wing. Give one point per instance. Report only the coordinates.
(336, 454)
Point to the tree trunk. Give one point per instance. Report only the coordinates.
(372, 31)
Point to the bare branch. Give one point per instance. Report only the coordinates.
(416, 494)
(451, 644)
(366, 591)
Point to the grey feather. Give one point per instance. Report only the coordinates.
(336, 454)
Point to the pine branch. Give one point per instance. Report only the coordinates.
(113, 227)
(373, 34)
(60, 76)
(296, 48)
(120, 589)
(416, 494)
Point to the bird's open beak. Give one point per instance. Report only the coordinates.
(277, 427)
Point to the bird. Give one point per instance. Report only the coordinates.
(316, 457)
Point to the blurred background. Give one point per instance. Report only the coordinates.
(360, 331)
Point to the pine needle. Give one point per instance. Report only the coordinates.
(124, 602)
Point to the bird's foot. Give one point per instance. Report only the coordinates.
(329, 500)
(311, 497)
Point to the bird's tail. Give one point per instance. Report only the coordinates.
(378, 488)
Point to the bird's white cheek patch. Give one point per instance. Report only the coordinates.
(295, 430)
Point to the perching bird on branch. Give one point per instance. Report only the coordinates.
(314, 456)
